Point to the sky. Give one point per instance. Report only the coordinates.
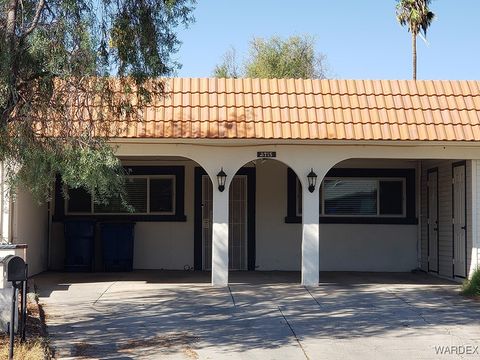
(361, 38)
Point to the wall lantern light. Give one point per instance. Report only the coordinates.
(221, 177)
(312, 181)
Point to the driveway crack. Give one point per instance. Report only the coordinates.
(294, 334)
(231, 295)
(103, 293)
(313, 297)
(413, 308)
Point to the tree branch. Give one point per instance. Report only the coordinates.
(36, 18)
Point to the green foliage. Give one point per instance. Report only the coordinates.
(416, 15)
(471, 287)
(294, 57)
(63, 64)
(229, 67)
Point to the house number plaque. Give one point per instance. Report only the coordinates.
(266, 154)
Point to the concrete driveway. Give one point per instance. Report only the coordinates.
(177, 315)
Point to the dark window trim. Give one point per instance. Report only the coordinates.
(250, 172)
(454, 165)
(179, 216)
(408, 174)
(431, 171)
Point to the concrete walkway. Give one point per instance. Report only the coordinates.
(177, 315)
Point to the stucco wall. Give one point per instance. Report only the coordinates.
(351, 247)
(30, 226)
(168, 245)
(359, 247)
(278, 244)
(343, 247)
(158, 245)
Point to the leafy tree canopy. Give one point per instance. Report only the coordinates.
(63, 60)
(294, 57)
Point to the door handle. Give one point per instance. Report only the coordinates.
(464, 228)
(435, 229)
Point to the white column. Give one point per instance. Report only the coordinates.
(310, 237)
(220, 237)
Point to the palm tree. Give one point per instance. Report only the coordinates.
(417, 16)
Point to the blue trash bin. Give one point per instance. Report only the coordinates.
(79, 245)
(117, 245)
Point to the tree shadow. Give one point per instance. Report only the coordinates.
(135, 317)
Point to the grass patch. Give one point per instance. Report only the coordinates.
(36, 344)
(29, 350)
(471, 287)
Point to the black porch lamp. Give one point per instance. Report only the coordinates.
(221, 177)
(312, 181)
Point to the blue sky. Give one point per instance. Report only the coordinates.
(361, 38)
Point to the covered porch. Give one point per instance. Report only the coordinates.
(260, 221)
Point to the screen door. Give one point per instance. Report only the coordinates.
(237, 223)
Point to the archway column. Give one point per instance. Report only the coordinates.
(311, 217)
(220, 237)
(310, 237)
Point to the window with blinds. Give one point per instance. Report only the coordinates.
(144, 195)
(359, 197)
(353, 197)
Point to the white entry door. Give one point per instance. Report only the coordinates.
(432, 220)
(459, 221)
(237, 223)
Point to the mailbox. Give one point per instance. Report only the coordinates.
(14, 268)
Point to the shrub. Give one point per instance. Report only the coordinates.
(471, 287)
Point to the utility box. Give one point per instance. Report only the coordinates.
(79, 245)
(117, 245)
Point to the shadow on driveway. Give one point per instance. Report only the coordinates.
(152, 314)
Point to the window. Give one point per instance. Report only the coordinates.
(145, 195)
(363, 197)
(79, 201)
(298, 205)
(154, 193)
(359, 196)
(162, 193)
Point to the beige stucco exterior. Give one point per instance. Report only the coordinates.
(279, 245)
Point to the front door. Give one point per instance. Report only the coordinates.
(432, 220)
(237, 223)
(459, 221)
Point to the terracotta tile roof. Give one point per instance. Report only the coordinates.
(314, 110)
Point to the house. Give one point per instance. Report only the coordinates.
(319, 175)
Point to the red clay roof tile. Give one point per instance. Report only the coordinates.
(286, 109)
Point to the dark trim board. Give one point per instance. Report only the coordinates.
(430, 171)
(178, 171)
(454, 165)
(197, 228)
(251, 215)
(408, 174)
